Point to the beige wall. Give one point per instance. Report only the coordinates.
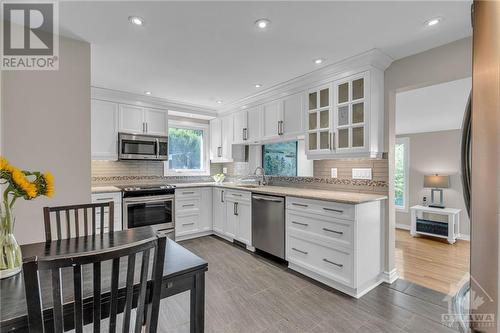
(446, 63)
(435, 152)
(46, 126)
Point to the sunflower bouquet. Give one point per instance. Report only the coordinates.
(17, 184)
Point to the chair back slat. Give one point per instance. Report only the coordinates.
(97, 297)
(77, 286)
(115, 273)
(74, 214)
(57, 300)
(148, 301)
(142, 292)
(129, 295)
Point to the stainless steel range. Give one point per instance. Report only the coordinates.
(149, 206)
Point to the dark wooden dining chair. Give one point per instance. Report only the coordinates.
(98, 304)
(72, 216)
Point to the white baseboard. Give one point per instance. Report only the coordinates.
(390, 277)
(464, 237)
(403, 226)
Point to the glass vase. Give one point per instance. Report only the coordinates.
(10, 251)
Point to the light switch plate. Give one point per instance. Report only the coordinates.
(362, 173)
(333, 172)
(224, 170)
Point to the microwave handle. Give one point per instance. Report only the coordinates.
(157, 148)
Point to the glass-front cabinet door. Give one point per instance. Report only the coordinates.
(319, 119)
(350, 113)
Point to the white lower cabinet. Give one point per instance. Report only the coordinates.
(219, 211)
(193, 212)
(116, 198)
(337, 244)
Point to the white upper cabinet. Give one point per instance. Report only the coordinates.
(104, 130)
(139, 120)
(156, 121)
(345, 118)
(131, 119)
(292, 117)
(221, 139)
(254, 124)
(272, 119)
(240, 127)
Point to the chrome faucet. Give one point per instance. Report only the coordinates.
(262, 174)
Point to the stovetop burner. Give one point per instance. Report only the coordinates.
(147, 190)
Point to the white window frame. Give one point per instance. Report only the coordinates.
(405, 141)
(205, 158)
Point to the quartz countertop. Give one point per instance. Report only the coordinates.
(298, 192)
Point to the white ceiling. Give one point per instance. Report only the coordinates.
(435, 108)
(201, 52)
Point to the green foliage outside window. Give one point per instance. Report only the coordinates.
(185, 148)
(399, 178)
(280, 159)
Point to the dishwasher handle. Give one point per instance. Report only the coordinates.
(272, 199)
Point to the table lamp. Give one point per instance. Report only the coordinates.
(437, 183)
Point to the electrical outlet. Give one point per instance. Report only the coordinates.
(362, 173)
(333, 172)
(224, 170)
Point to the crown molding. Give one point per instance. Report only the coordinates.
(372, 59)
(123, 97)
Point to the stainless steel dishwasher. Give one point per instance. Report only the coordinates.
(268, 224)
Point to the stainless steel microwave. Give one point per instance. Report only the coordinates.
(142, 147)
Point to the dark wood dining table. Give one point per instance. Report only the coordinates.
(182, 271)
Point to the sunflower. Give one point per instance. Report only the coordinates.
(23, 183)
(49, 184)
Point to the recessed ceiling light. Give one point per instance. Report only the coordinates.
(262, 23)
(147, 93)
(433, 21)
(219, 102)
(319, 61)
(136, 20)
(258, 85)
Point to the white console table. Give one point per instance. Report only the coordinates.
(453, 221)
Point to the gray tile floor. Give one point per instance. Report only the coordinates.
(248, 293)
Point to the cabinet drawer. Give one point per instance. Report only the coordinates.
(187, 224)
(328, 229)
(116, 197)
(187, 192)
(331, 262)
(188, 204)
(238, 195)
(325, 208)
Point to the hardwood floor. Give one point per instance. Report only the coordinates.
(248, 293)
(432, 262)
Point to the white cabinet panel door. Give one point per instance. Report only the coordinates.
(231, 222)
(215, 140)
(157, 121)
(271, 119)
(240, 127)
(254, 124)
(131, 119)
(206, 209)
(104, 130)
(244, 233)
(293, 115)
(227, 138)
(219, 210)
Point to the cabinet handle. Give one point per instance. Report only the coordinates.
(146, 127)
(143, 128)
(219, 151)
(245, 134)
(236, 195)
(191, 223)
(333, 210)
(300, 205)
(303, 252)
(235, 208)
(187, 192)
(333, 263)
(334, 231)
(221, 196)
(282, 127)
(333, 140)
(104, 199)
(299, 223)
(188, 205)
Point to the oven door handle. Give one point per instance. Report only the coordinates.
(148, 199)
